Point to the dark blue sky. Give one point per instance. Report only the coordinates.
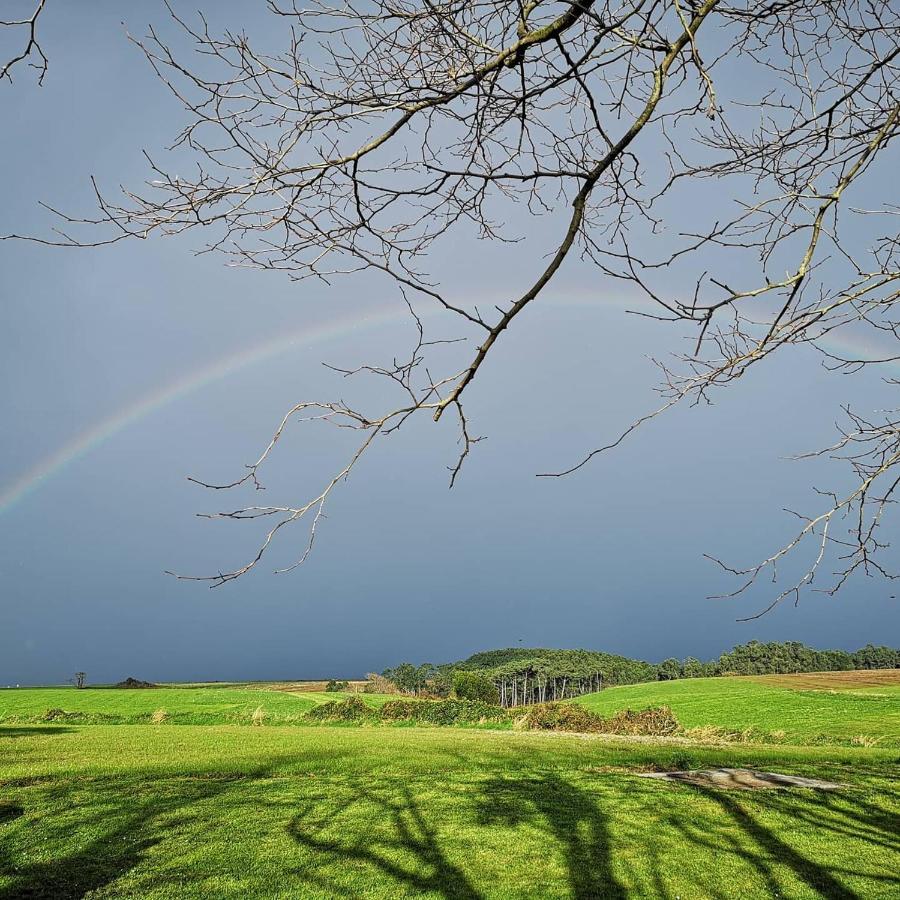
(404, 569)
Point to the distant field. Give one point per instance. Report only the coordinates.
(841, 706)
(858, 680)
(305, 686)
(181, 705)
(236, 813)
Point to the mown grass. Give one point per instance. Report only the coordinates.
(770, 710)
(242, 812)
(747, 708)
(182, 706)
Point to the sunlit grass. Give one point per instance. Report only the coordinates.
(243, 812)
(182, 706)
(737, 704)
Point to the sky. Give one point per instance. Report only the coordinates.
(124, 369)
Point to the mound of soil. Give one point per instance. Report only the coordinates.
(743, 779)
(135, 683)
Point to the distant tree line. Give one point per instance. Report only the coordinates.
(522, 676)
(774, 658)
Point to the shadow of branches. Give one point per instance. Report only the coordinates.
(411, 856)
(131, 815)
(768, 849)
(572, 819)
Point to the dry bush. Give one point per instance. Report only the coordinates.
(706, 734)
(559, 717)
(656, 721)
(378, 684)
(159, 717)
(864, 740)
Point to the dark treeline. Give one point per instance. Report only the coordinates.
(520, 676)
(523, 676)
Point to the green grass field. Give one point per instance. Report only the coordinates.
(843, 714)
(182, 705)
(237, 811)
(242, 812)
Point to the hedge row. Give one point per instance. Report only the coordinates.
(543, 716)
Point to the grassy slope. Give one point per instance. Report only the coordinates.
(194, 706)
(240, 812)
(739, 703)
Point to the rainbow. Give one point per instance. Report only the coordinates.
(102, 431)
(846, 344)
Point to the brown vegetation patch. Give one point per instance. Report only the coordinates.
(657, 721)
(742, 779)
(832, 681)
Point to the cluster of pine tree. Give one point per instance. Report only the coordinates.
(521, 675)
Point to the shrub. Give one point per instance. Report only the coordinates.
(61, 715)
(560, 717)
(442, 712)
(658, 720)
(353, 709)
(474, 686)
(440, 685)
(717, 734)
(378, 684)
(131, 683)
(335, 686)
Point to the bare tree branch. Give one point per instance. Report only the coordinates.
(31, 47)
(385, 129)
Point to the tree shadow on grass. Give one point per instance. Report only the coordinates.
(75, 876)
(412, 856)
(846, 817)
(572, 818)
(11, 731)
(131, 819)
(9, 811)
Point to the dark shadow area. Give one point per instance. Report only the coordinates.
(26, 730)
(572, 818)
(414, 836)
(353, 832)
(9, 811)
(72, 877)
(845, 816)
(141, 820)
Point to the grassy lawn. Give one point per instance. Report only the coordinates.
(768, 706)
(218, 808)
(242, 812)
(182, 705)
